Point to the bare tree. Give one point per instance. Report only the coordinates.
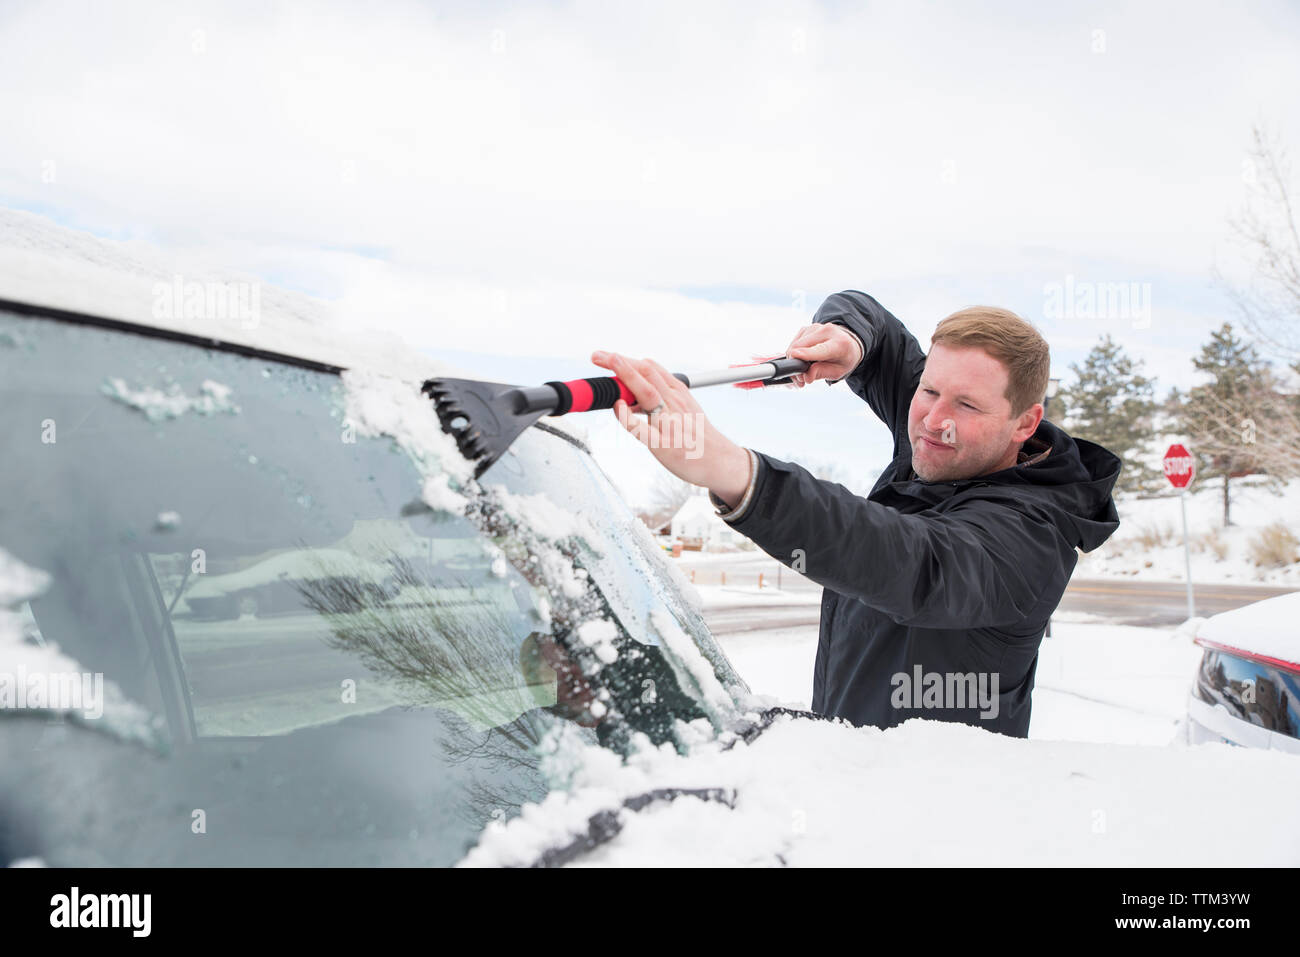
(1266, 227)
(1244, 424)
(668, 493)
(1252, 423)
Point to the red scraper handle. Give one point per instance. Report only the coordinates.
(583, 395)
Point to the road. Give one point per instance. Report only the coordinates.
(1117, 600)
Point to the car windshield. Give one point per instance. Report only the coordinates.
(303, 649)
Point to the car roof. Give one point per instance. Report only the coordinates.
(51, 271)
(45, 264)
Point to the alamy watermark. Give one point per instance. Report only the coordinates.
(1074, 299)
(949, 690)
(179, 299)
(126, 911)
(672, 430)
(53, 691)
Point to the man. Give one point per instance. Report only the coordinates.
(939, 584)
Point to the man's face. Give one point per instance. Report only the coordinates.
(960, 421)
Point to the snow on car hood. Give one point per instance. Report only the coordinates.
(925, 793)
(1266, 627)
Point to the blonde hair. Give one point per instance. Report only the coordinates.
(1009, 339)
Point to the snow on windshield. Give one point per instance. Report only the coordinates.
(384, 405)
(43, 263)
(35, 675)
(684, 650)
(381, 405)
(546, 534)
(159, 404)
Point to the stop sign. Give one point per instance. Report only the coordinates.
(1179, 467)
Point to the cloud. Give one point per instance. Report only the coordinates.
(545, 179)
(790, 145)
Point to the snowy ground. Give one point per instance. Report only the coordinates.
(1096, 681)
(1125, 556)
(1252, 508)
(1106, 684)
(751, 596)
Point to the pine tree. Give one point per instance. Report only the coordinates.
(1222, 418)
(1173, 401)
(1112, 403)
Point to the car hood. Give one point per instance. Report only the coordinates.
(823, 793)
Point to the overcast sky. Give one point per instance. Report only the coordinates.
(517, 184)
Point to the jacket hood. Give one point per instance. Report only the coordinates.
(1077, 480)
(1072, 485)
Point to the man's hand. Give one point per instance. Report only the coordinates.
(679, 434)
(833, 351)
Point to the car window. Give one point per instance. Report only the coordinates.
(1252, 691)
(343, 672)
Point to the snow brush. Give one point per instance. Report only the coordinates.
(486, 417)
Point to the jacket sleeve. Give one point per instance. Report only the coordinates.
(981, 563)
(892, 361)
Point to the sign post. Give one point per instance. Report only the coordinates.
(1180, 467)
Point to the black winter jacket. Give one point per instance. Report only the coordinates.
(931, 588)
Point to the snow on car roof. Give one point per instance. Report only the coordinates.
(1268, 627)
(46, 264)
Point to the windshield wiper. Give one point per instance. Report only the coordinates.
(765, 720)
(603, 826)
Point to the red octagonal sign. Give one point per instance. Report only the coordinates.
(1179, 466)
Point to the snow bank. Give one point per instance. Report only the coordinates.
(1253, 507)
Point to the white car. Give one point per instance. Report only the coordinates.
(540, 688)
(1247, 690)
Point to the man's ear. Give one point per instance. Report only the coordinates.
(1027, 423)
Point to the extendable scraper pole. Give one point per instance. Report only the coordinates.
(486, 417)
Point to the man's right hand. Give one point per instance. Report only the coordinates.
(833, 351)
